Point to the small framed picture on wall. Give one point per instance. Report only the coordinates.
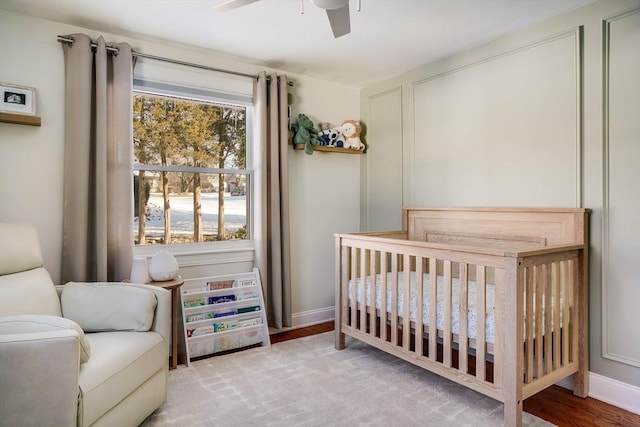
(17, 99)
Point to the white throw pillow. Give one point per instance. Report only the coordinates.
(32, 323)
(105, 306)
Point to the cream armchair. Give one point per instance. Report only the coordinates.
(82, 354)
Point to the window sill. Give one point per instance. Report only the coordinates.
(196, 248)
(201, 256)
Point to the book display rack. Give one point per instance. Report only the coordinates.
(223, 313)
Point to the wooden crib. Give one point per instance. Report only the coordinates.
(521, 275)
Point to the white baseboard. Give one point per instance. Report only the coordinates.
(608, 390)
(308, 318)
(614, 392)
(313, 317)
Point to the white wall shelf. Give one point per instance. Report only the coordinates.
(329, 149)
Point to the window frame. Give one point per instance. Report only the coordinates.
(152, 87)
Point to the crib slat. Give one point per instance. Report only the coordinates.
(363, 290)
(372, 292)
(433, 310)
(446, 342)
(547, 319)
(574, 309)
(383, 296)
(481, 313)
(463, 342)
(394, 298)
(406, 302)
(540, 277)
(419, 323)
(499, 327)
(556, 314)
(566, 289)
(354, 289)
(529, 323)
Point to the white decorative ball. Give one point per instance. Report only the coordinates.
(163, 266)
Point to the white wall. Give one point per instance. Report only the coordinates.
(522, 121)
(31, 158)
(325, 199)
(324, 187)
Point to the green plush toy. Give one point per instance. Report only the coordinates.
(305, 133)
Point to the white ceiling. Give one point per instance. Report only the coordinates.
(387, 37)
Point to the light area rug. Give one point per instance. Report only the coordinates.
(307, 382)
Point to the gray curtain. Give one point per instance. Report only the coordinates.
(272, 197)
(98, 188)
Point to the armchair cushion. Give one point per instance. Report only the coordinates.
(25, 285)
(28, 292)
(122, 362)
(20, 248)
(31, 323)
(108, 306)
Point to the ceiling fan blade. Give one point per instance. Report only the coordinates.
(233, 4)
(340, 21)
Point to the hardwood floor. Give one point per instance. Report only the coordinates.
(559, 406)
(302, 332)
(555, 404)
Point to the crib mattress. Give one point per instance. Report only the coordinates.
(472, 320)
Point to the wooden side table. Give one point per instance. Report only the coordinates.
(174, 287)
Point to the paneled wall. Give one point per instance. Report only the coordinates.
(502, 130)
(621, 205)
(384, 112)
(549, 116)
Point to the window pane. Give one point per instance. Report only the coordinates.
(212, 213)
(181, 137)
(180, 132)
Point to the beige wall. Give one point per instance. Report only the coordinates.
(324, 187)
(520, 122)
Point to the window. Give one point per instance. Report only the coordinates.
(191, 180)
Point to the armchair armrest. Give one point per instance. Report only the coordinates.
(39, 377)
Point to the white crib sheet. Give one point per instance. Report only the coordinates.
(455, 315)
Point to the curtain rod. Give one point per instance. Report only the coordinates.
(63, 39)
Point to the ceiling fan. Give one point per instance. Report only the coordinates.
(337, 12)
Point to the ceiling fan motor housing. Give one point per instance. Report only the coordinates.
(330, 4)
